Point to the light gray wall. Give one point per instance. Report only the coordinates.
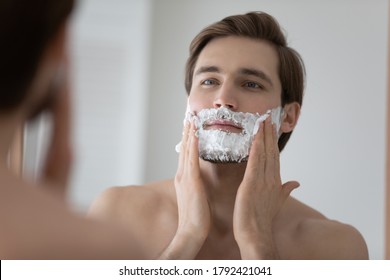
(128, 70)
(110, 54)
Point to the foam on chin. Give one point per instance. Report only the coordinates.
(221, 146)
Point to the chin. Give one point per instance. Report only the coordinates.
(224, 161)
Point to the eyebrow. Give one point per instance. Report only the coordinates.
(242, 71)
(207, 69)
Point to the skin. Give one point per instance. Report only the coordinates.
(230, 211)
(35, 222)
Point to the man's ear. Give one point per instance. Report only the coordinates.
(290, 117)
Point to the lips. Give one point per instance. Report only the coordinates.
(225, 125)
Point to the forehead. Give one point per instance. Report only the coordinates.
(233, 52)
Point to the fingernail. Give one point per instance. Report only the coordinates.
(178, 147)
(256, 127)
(196, 121)
(196, 133)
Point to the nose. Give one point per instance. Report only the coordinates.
(226, 98)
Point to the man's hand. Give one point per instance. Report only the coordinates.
(260, 197)
(193, 208)
(56, 169)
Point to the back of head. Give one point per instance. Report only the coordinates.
(26, 28)
(259, 26)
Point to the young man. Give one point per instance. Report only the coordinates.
(227, 200)
(35, 223)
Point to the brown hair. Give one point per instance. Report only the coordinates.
(26, 27)
(256, 25)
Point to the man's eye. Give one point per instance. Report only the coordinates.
(252, 85)
(209, 82)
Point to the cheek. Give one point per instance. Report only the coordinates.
(197, 103)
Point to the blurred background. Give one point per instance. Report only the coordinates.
(128, 60)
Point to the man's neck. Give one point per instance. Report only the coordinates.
(224, 178)
(221, 183)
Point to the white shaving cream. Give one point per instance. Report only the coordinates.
(222, 146)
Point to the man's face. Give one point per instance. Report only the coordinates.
(235, 81)
(238, 73)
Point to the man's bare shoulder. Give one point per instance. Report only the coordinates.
(317, 237)
(127, 203)
(139, 209)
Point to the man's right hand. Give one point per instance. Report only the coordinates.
(194, 219)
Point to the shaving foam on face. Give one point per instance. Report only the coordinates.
(222, 146)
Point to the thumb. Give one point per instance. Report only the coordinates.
(289, 187)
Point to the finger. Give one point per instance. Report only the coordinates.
(269, 150)
(288, 187)
(256, 161)
(183, 148)
(193, 155)
(277, 154)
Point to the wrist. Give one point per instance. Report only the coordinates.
(183, 246)
(187, 236)
(257, 246)
(258, 252)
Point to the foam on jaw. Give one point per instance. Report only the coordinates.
(223, 146)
